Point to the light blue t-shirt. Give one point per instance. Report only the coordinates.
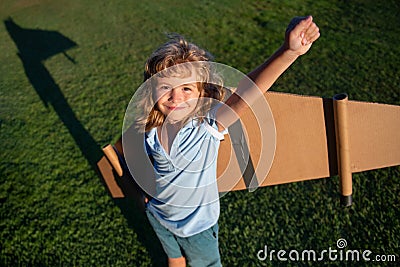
(186, 200)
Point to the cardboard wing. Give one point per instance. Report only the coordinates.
(315, 138)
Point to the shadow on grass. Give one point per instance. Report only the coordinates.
(34, 47)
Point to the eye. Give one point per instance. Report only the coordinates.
(164, 88)
(187, 89)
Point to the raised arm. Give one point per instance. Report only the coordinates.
(300, 35)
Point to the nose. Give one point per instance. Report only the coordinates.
(176, 95)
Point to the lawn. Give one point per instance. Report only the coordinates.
(58, 109)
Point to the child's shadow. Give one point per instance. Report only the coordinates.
(34, 47)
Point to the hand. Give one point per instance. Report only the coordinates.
(300, 35)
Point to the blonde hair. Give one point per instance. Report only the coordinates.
(171, 54)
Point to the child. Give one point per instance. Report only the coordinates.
(182, 133)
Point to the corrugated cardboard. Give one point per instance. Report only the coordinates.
(311, 142)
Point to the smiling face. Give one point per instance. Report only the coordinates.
(177, 97)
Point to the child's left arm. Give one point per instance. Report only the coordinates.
(300, 35)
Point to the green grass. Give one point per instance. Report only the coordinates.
(54, 209)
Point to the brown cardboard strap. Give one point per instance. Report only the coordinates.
(112, 156)
(340, 102)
